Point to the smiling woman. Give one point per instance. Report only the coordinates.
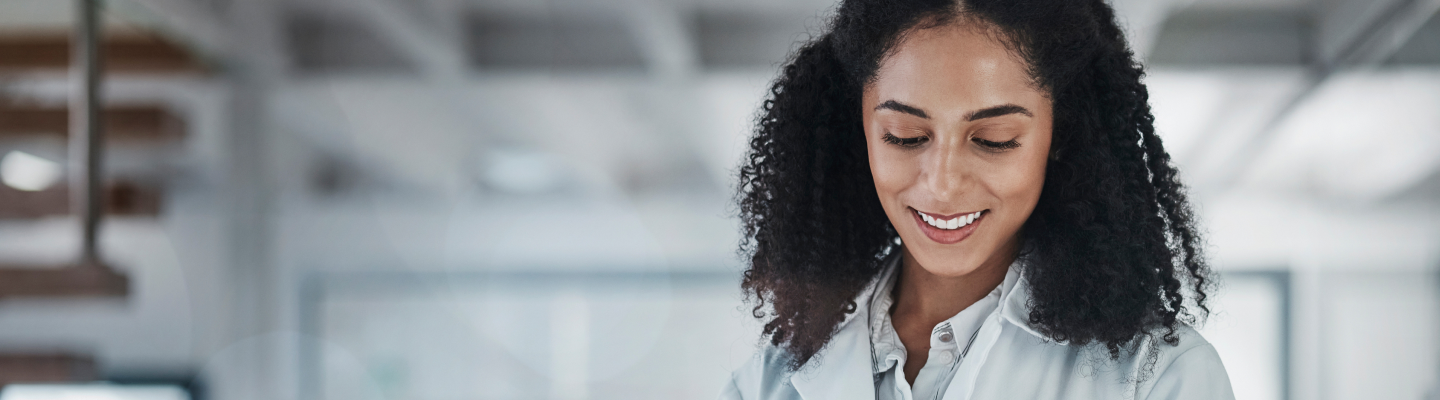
(967, 200)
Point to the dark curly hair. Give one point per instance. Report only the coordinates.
(1112, 246)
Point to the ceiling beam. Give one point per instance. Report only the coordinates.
(665, 38)
(441, 61)
(1365, 33)
(1356, 34)
(436, 54)
(1143, 20)
(188, 21)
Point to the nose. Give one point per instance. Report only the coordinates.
(947, 175)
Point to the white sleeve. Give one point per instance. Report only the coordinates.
(1196, 374)
(731, 391)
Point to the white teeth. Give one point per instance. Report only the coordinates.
(953, 223)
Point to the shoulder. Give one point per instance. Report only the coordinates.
(765, 376)
(1025, 365)
(1189, 369)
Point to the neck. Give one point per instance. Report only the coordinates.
(927, 298)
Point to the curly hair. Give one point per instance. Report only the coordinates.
(1111, 245)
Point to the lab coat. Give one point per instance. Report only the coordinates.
(1009, 359)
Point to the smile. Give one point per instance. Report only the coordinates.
(955, 222)
(948, 229)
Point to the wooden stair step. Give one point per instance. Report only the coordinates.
(128, 123)
(122, 198)
(131, 53)
(63, 281)
(43, 368)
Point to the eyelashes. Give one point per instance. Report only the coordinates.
(919, 140)
(905, 142)
(1006, 145)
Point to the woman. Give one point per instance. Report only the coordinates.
(1048, 249)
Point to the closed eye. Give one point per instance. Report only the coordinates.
(1006, 145)
(905, 142)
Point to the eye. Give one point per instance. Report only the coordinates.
(1006, 145)
(905, 142)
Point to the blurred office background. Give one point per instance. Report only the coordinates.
(530, 199)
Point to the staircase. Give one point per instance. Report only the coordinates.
(86, 193)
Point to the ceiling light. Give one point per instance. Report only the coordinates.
(25, 171)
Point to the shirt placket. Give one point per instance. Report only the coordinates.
(940, 362)
(942, 343)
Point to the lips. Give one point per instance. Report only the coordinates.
(948, 229)
(954, 221)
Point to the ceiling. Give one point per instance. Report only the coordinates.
(659, 93)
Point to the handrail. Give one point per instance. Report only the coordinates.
(86, 146)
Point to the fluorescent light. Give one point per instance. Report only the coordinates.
(92, 391)
(522, 171)
(25, 171)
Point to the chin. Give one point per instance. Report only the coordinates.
(943, 263)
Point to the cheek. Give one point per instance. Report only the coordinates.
(1026, 184)
(1024, 179)
(892, 170)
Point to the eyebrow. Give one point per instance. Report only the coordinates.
(990, 112)
(902, 107)
(996, 111)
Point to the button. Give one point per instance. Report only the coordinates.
(945, 358)
(946, 337)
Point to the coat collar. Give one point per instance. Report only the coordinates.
(842, 369)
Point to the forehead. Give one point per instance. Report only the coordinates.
(955, 65)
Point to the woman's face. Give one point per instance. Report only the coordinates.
(958, 138)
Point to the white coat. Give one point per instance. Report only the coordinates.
(1009, 360)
